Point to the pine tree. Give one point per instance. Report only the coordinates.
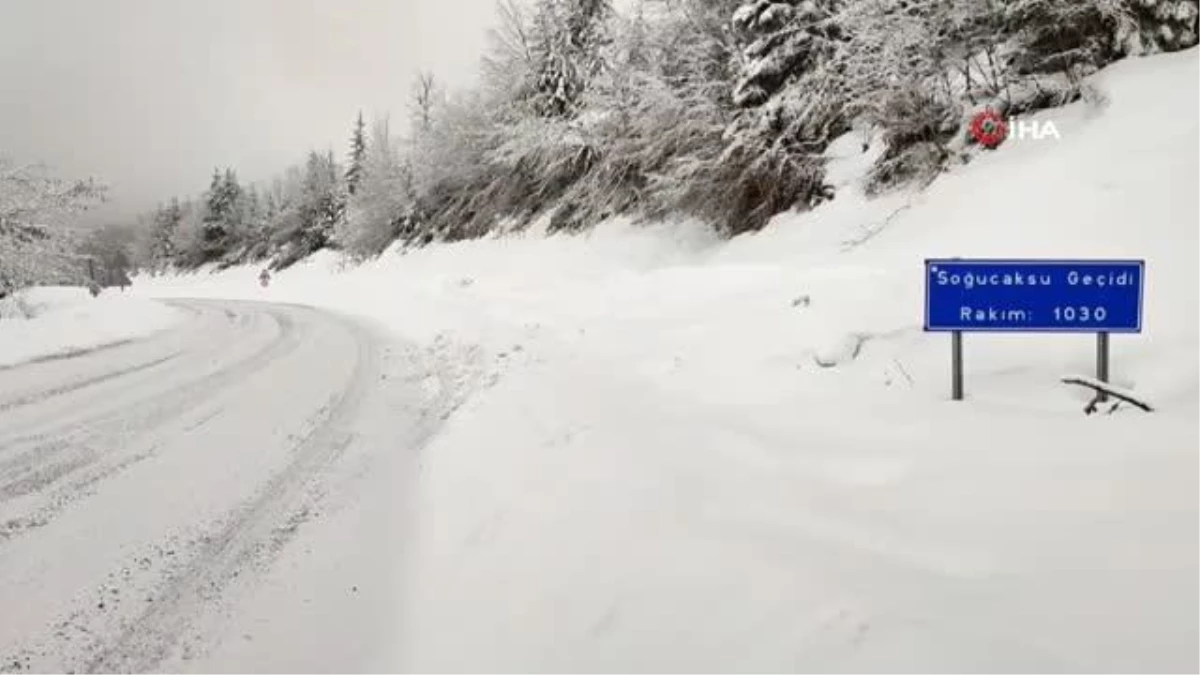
(231, 187)
(781, 41)
(212, 229)
(321, 202)
(566, 43)
(166, 224)
(222, 222)
(358, 154)
(252, 212)
(271, 208)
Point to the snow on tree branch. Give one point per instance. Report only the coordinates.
(29, 195)
(31, 202)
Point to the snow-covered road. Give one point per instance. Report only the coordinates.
(147, 488)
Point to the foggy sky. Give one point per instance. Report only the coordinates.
(151, 95)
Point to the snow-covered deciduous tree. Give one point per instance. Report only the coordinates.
(424, 101)
(916, 70)
(111, 250)
(32, 203)
(718, 109)
(903, 71)
(509, 61)
(450, 167)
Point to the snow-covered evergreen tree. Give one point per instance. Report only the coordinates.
(781, 41)
(189, 237)
(222, 216)
(237, 205)
(358, 155)
(213, 231)
(255, 232)
(566, 38)
(164, 226)
(308, 223)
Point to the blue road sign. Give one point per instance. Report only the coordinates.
(1034, 296)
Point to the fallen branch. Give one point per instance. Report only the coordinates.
(1102, 390)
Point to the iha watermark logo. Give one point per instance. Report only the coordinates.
(991, 129)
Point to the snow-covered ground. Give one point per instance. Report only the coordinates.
(54, 321)
(144, 486)
(686, 454)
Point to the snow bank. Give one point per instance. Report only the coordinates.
(53, 321)
(693, 455)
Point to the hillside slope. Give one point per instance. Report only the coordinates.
(685, 454)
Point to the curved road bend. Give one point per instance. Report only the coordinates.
(145, 485)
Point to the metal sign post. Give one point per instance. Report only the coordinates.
(956, 366)
(1102, 363)
(1032, 296)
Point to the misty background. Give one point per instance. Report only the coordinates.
(151, 95)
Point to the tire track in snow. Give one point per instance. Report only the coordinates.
(61, 464)
(194, 386)
(30, 399)
(257, 529)
(138, 559)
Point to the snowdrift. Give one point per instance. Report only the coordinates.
(687, 454)
(46, 322)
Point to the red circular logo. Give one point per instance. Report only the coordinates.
(989, 128)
